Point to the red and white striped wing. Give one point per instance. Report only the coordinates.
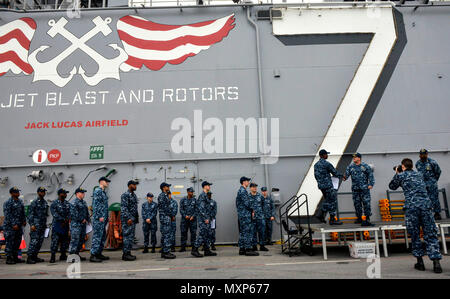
(15, 39)
(153, 45)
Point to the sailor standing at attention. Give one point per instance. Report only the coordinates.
(431, 172)
(100, 220)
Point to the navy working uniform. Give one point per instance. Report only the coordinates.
(244, 210)
(418, 213)
(322, 170)
(79, 217)
(100, 210)
(37, 217)
(149, 211)
(14, 212)
(164, 220)
(128, 210)
(187, 208)
(203, 212)
(269, 212)
(362, 178)
(431, 173)
(60, 210)
(173, 224)
(258, 221)
(213, 211)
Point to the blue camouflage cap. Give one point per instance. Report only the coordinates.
(206, 183)
(149, 194)
(41, 189)
(244, 178)
(253, 185)
(190, 189)
(62, 190)
(323, 152)
(14, 190)
(263, 189)
(164, 184)
(423, 151)
(79, 190)
(357, 155)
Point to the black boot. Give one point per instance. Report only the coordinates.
(213, 247)
(38, 260)
(255, 248)
(30, 260)
(172, 249)
(333, 221)
(94, 259)
(419, 265)
(183, 249)
(249, 252)
(321, 216)
(63, 256)
(262, 248)
(168, 255)
(145, 250)
(102, 257)
(358, 220)
(437, 266)
(18, 260)
(195, 252)
(437, 216)
(53, 258)
(241, 251)
(153, 249)
(208, 252)
(367, 222)
(10, 261)
(128, 257)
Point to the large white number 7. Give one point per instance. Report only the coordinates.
(377, 20)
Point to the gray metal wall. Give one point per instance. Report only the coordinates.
(412, 113)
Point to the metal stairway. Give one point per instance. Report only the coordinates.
(298, 239)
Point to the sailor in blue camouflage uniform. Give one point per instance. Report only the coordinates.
(37, 218)
(99, 220)
(244, 207)
(60, 210)
(188, 218)
(259, 231)
(129, 217)
(203, 212)
(431, 172)
(362, 182)
(322, 170)
(149, 222)
(173, 223)
(79, 217)
(165, 220)
(418, 214)
(213, 215)
(269, 214)
(15, 220)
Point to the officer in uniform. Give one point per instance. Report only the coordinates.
(322, 170)
(149, 222)
(188, 218)
(37, 218)
(431, 172)
(79, 217)
(15, 220)
(418, 214)
(245, 213)
(100, 220)
(129, 216)
(213, 215)
(203, 212)
(173, 222)
(165, 220)
(259, 231)
(60, 210)
(269, 214)
(362, 182)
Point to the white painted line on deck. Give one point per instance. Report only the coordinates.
(122, 271)
(317, 262)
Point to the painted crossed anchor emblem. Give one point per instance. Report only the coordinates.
(107, 68)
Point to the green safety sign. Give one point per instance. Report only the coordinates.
(97, 152)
